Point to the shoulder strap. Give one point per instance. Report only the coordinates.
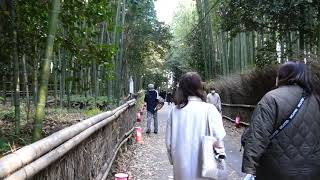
(289, 118)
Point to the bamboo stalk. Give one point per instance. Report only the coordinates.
(55, 81)
(25, 79)
(15, 60)
(27, 154)
(45, 73)
(45, 160)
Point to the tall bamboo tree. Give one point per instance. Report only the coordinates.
(45, 73)
(16, 63)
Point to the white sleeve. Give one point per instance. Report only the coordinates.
(216, 124)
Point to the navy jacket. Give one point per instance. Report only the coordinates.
(151, 99)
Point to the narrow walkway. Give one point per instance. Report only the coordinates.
(149, 161)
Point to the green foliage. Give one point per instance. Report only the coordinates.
(7, 114)
(92, 112)
(87, 102)
(148, 43)
(182, 56)
(282, 19)
(9, 141)
(270, 16)
(3, 145)
(98, 46)
(1, 99)
(266, 55)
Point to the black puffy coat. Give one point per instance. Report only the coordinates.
(295, 152)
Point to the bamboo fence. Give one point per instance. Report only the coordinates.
(231, 111)
(85, 150)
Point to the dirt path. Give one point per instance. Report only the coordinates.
(148, 161)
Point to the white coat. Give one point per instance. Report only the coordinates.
(185, 128)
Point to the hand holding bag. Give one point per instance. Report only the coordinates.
(213, 167)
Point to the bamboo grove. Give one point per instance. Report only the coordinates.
(96, 48)
(222, 37)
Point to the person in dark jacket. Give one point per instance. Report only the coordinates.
(294, 153)
(163, 94)
(169, 98)
(151, 99)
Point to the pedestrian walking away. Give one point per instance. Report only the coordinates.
(151, 100)
(283, 140)
(186, 126)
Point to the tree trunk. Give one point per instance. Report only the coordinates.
(203, 38)
(212, 72)
(122, 63)
(62, 77)
(231, 54)
(35, 85)
(45, 73)
(26, 87)
(4, 90)
(94, 80)
(101, 69)
(69, 82)
(55, 80)
(16, 72)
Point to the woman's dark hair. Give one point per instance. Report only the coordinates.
(294, 73)
(190, 84)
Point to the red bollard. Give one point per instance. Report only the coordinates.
(138, 117)
(138, 134)
(121, 176)
(237, 123)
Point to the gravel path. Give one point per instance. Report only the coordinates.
(148, 160)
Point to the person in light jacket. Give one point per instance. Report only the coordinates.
(214, 98)
(187, 124)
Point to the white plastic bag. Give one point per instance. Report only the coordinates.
(209, 164)
(212, 167)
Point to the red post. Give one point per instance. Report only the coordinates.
(237, 123)
(121, 176)
(138, 134)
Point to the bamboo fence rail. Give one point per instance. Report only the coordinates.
(37, 157)
(230, 111)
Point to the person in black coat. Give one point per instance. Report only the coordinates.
(169, 97)
(292, 153)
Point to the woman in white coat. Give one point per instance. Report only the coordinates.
(187, 124)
